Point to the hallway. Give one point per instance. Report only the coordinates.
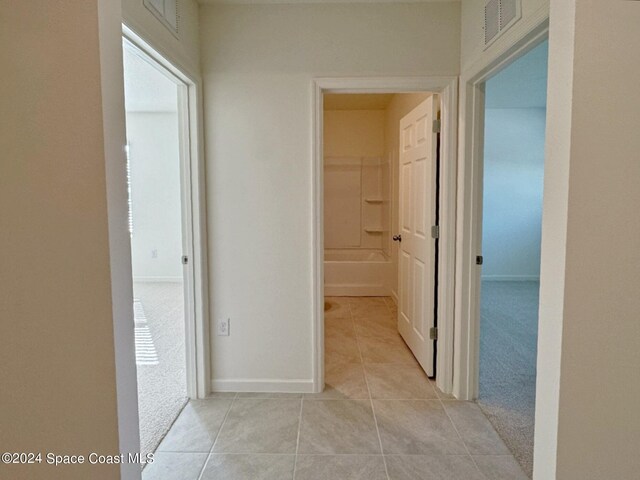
(379, 418)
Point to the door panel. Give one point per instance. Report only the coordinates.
(417, 216)
(419, 273)
(419, 201)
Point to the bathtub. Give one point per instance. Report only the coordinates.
(356, 273)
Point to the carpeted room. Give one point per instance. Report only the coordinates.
(515, 111)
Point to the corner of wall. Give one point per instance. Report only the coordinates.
(110, 37)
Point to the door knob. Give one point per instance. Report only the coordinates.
(397, 238)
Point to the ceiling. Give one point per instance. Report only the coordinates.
(357, 101)
(247, 2)
(523, 84)
(146, 89)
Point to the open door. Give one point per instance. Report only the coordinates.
(417, 257)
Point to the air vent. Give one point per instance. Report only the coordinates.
(508, 12)
(499, 15)
(491, 20)
(167, 12)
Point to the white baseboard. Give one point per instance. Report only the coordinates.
(158, 279)
(257, 385)
(510, 278)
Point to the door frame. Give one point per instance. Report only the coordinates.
(192, 188)
(466, 381)
(447, 89)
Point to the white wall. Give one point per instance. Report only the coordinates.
(156, 243)
(353, 172)
(183, 50)
(353, 133)
(587, 421)
(57, 300)
(512, 199)
(258, 62)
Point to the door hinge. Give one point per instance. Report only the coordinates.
(435, 231)
(436, 126)
(479, 260)
(433, 333)
(185, 260)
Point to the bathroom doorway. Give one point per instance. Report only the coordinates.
(380, 162)
(368, 168)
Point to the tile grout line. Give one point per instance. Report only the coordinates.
(295, 459)
(439, 399)
(217, 435)
(464, 444)
(373, 410)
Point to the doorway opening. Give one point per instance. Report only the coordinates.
(377, 152)
(162, 165)
(380, 187)
(512, 190)
(155, 228)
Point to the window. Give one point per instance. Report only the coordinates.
(127, 150)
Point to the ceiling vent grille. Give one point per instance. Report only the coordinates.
(508, 13)
(491, 21)
(167, 11)
(499, 15)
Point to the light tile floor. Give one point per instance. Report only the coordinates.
(379, 418)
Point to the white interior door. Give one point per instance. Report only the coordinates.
(416, 258)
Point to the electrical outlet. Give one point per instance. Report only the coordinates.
(223, 327)
(154, 253)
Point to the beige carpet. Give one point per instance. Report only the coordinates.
(160, 359)
(508, 348)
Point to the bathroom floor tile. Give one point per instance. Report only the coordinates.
(360, 301)
(376, 327)
(338, 426)
(174, 466)
(341, 350)
(398, 381)
(343, 380)
(432, 467)
(338, 300)
(248, 467)
(385, 350)
(260, 426)
(416, 427)
(343, 467)
(196, 427)
(475, 429)
(336, 308)
(339, 327)
(370, 310)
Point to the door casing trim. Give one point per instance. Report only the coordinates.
(469, 204)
